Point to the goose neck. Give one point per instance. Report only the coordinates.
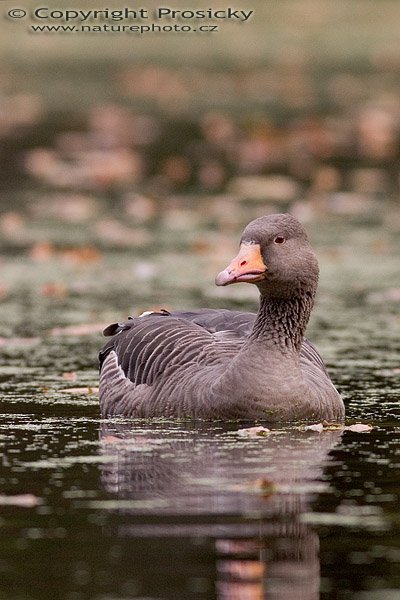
(281, 322)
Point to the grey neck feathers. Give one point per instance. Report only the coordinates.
(281, 323)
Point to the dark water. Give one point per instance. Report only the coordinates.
(115, 510)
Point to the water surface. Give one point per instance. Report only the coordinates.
(120, 509)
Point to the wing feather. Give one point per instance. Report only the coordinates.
(148, 345)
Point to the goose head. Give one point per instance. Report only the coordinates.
(275, 255)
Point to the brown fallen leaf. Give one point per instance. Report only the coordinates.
(42, 251)
(12, 223)
(54, 290)
(252, 432)
(70, 376)
(315, 427)
(325, 426)
(81, 390)
(66, 206)
(359, 427)
(80, 256)
(332, 426)
(23, 500)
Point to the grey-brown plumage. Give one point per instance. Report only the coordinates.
(220, 364)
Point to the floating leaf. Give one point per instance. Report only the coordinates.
(325, 426)
(81, 390)
(23, 500)
(252, 432)
(316, 427)
(359, 427)
(70, 376)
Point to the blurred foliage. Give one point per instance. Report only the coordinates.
(298, 109)
(301, 101)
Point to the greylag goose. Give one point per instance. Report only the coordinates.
(226, 365)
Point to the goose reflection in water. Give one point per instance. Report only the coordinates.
(246, 496)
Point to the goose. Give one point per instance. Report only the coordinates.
(226, 365)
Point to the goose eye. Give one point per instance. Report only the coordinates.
(279, 239)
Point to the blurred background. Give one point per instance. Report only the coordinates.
(124, 155)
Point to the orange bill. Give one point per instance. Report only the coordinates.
(247, 266)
